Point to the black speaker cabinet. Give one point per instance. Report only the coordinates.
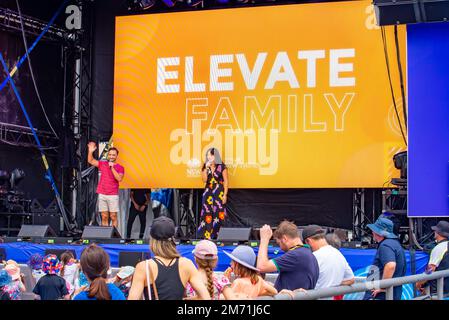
(233, 234)
(435, 10)
(132, 258)
(36, 231)
(390, 12)
(97, 232)
(53, 220)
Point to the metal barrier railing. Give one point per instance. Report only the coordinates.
(387, 284)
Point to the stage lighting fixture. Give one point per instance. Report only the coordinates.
(400, 162)
(17, 175)
(169, 3)
(140, 4)
(147, 4)
(4, 176)
(222, 1)
(194, 3)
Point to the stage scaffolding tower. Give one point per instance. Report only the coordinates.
(77, 109)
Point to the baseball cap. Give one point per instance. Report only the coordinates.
(205, 249)
(311, 230)
(163, 228)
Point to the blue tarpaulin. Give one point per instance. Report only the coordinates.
(358, 259)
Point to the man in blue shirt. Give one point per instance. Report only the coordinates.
(389, 261)
(297, 267)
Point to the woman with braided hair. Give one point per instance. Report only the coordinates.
(95, 265)
(206, 258)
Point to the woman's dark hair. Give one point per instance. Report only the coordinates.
(217, 157)
(95, 265)
(65, 258)
(212, 152)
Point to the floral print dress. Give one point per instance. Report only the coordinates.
(213, 211)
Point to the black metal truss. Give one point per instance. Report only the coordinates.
(21, 136)
(78, 104)
(10, 21)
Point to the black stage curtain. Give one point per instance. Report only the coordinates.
(255, 207)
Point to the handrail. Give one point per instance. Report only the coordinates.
(388, 284)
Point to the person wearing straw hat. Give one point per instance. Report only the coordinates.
(439, 257)
(248, 283)
(389, 261)
(16, 286)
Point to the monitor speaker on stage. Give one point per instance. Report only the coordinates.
(98, 232)
(36, 231)
(391, 12)
(233, 234)
(132, 258)
(59, 252)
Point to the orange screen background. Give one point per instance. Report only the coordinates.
(314, 135)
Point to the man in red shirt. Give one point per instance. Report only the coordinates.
(107, 189)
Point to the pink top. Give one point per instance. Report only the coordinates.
(219, 283)
(108, 185)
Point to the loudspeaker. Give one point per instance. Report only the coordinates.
(94, 232)
(435, 10)
(391, 12)
(2, 254)
(132, 258)
(36, 207)
(233, 234)
(53, 220)
(59, 252)
(35, 231)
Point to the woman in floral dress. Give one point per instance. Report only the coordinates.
(213, 209)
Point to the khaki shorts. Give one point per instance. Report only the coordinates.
(108, 203)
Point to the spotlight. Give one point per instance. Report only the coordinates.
(169, 3)
(147, 4)
(17, 175)
(140, 4)
(194, 3)
(400, 162)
